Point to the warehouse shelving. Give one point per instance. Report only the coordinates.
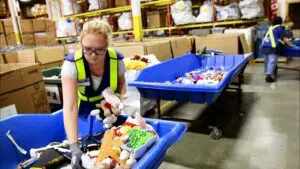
(118, 9)
(197, 25)
(169, 27)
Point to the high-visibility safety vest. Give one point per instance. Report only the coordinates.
(82, 75)
(272, 37)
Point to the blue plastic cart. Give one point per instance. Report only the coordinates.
(38, 130)
(293, 51)
(151, 81)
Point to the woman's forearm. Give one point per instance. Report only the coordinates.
(71, 123)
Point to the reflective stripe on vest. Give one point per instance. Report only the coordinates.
(271, 35)
(113, 62)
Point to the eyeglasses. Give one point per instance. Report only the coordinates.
(97, 51)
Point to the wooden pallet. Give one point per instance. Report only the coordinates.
(280, 60)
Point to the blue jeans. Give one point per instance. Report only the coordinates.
(270, 63)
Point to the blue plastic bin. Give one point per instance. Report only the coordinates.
(172, 69)
(38, 130)
(293, 51)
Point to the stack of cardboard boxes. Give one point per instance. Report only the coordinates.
(27, 32)
(46, 57)
(22, 89)
(168, 48)
(44, 32)
(35, 32)
(9, 32)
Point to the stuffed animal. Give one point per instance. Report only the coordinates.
(111, 106)
(126, 143)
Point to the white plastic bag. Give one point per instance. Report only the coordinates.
(251, 9)
(124, 21)
(55, 9)
(206, 12)
(65, 28)
(70, 7)
(228, 12)
(134, 101)
(182, 13)
(94, 4)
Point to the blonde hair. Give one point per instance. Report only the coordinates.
(97, 27)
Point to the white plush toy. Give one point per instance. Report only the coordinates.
(112, 107)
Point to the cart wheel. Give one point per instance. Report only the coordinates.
(215, 133)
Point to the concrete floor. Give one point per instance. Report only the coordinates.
(260, 133)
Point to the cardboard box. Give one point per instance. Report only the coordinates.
(162, 50)
(228, 43)
(11, 39)
(2, 61)
(11, 57)
(156, 19)
(50, 26)
(51, 65)
(39, 25)
(2, 40)
(26, 56)
(30, 99)
(26, 26)
(52, 38)
(1, 27)
(181, 46)
(249, 35)
(49, 54)
(119, 3)
(8, 26)
(19, 75)
(28, 39)
(44, 39)
(22, 56)
(41, 39)
(130, 51)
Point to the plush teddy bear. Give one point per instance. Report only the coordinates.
(111, 106)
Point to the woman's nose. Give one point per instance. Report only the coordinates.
(93, 54)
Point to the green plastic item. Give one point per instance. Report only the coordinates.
(137, 138)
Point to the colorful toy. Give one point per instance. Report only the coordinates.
(126, 143)
(111, 106)
(136, 63)
(210, 76)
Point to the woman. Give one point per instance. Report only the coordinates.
(85, 75)
(271, 47)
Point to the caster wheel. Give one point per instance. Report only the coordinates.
(215, 133)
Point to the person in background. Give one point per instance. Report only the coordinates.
(85, 74)
(271, 47)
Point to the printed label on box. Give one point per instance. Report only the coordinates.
(40, 102)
